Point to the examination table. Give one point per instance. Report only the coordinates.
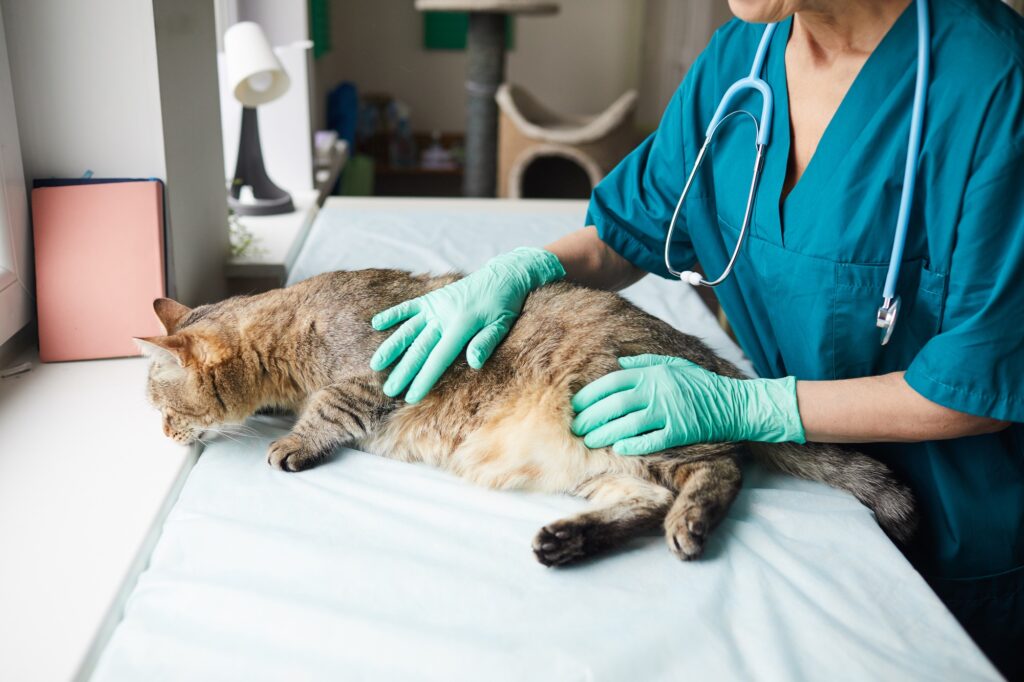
(365, 568)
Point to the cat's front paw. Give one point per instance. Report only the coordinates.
(289, 453)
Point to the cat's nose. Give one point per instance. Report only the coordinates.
(167, 430)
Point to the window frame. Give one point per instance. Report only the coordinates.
(17, 305)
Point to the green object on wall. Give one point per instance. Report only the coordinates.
(447, 31)
(320, 27)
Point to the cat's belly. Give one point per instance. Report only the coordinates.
(526, 444)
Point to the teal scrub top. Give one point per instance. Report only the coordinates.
(803, 297)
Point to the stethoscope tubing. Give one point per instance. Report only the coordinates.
(754, 81)
(693, 277)
(913, 150)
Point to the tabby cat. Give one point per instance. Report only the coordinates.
(307, 348)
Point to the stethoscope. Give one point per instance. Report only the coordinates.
(886, 316)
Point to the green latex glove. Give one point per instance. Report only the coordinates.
(657, 402)
(479, 309)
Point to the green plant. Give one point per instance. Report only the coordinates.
(243, 242)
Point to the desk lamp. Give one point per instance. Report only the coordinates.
(256, 77)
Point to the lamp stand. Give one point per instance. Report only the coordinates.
(268, 198)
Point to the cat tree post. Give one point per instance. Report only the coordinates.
(485, 51)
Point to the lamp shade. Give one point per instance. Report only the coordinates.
(254, 72)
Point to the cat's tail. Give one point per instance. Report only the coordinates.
(867, 479)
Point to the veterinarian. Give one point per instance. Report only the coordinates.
(943, 400)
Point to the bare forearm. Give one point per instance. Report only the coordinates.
(588, 260)
(880, 409)
(870, 409)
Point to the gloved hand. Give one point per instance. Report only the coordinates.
(479, 309)
(657, 402)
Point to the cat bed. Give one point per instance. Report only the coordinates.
(485, 70)
(529, 132)
(370, 569)
(502, 6)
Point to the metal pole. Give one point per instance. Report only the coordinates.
(486, 71)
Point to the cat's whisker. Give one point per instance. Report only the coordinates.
(226, 430)
(236, 426)
(243, 429)
(222, 433)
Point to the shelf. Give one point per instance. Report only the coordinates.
(416, 170)
(278, 238)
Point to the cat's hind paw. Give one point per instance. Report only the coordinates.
(289, 453)
(687, 528)
(563, 542)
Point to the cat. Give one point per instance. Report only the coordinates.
(306, 348)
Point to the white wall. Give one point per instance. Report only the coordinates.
(675, 33)
(112, 86)
(580, 60)
(16, 304)
(86, 87)
(283, 21)
(577, 61)
(186, 40)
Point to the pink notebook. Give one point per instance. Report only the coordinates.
(99, 265)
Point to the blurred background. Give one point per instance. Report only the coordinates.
(393, 76)
(422, 98)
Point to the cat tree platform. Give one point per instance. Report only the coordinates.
(500, 6)
(485, 48)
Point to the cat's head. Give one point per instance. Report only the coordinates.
(192, 380)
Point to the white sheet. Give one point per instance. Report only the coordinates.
(369, 569)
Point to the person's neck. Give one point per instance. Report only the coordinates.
(834, 29)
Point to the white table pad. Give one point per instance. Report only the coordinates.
(370, 569)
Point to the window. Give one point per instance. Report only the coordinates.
(16, 304)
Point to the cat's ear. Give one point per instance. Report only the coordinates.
(184, 349)
(170, 313)
(169, 349)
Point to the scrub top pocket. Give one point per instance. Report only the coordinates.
(789, 293)
(821, 311)
(857, 351)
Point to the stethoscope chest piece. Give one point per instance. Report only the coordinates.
(886, 318)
